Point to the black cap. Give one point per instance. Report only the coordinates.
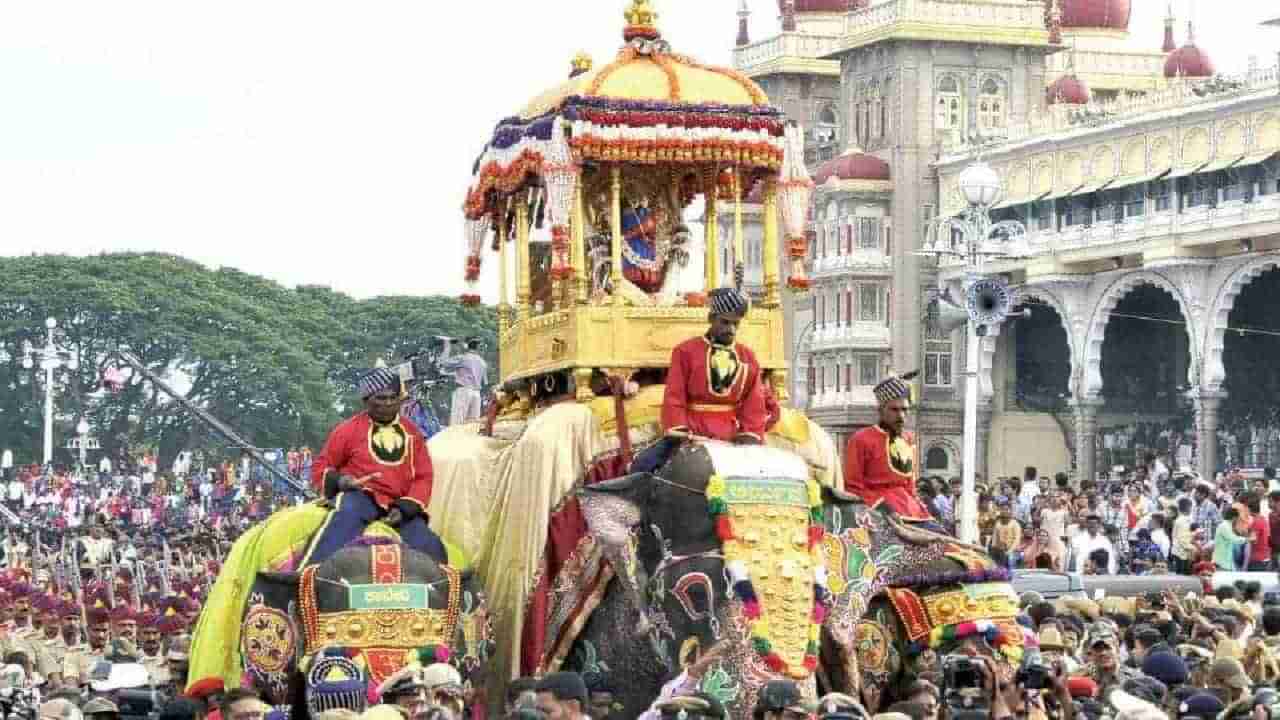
(777, 695)
(564, 686)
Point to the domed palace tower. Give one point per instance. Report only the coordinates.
(880, 87)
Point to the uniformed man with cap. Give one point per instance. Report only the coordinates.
(100, 708)
(1104, 666)
(699, 706)
(152, 648)
(421, 690)
(879, 464)
(178, 662)
(780, 700)
(80, 660)
(714, 383)
(375, 465)
(841, 705)
(714, 386)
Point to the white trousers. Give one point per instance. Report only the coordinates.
(465, 406)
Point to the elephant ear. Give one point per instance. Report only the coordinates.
(613, 508)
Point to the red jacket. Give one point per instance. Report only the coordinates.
(398, 452)
(877, 467)
(691, 404)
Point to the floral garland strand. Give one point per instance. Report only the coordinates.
(744, 590)
(1007, 644)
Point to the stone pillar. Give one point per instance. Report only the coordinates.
(1207, 406)
(1086, 415)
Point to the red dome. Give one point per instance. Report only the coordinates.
(1188, 61)
(853, 165)
(1068, 90)
(826, 6)
(1103, 14)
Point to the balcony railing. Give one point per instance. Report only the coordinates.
(1148, 224)
(1102, 62)
(880, 19)
(872, 261)
(1181, 96)
(784, 46)
(858, 335)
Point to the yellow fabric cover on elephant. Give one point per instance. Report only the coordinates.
(270, 546)
(495, 496)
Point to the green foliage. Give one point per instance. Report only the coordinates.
(277, 364)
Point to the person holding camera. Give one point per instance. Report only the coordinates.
(469, 371)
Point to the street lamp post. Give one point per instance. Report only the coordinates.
(50, 357)
(82, 429)
(970, 240)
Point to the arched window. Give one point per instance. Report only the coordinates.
(991, 105)
(950, 103)
(936, 459)
(828, 116)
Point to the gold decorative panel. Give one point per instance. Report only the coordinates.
(626, 337)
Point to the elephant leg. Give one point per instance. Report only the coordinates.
(355, 510)
(418, 536)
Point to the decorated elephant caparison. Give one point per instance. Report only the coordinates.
(736, 549)
(366, 612)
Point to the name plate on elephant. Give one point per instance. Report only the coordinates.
(980, 601)
(388, 597)
(766, 491)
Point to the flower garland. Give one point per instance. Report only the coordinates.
(1009, 645)
(744, 589)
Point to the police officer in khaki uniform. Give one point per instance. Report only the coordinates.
(153, 658)
(80, 661)
(49, 610)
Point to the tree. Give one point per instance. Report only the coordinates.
(277, 364)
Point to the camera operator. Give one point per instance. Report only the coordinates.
(469, 371)
(976, 688)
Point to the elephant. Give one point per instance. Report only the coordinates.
(377, 602)
(723, 537)
(896, 587)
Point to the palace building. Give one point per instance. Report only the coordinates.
(1149, 189)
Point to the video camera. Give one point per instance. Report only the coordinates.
(963, 690)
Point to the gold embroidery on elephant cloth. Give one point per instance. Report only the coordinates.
(978, 602)
(385, 628)
(773, 542)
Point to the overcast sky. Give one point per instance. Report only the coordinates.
(322, 142)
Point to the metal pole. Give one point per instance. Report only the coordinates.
(83, 450)
(48, 361)
(968, 514)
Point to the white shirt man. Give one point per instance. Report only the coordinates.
(1054, 519)
(104, 465)
(1085, 543)
(16, 491)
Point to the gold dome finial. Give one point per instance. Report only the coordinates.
(582, 63)
(642, 21)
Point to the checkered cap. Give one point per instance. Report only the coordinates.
(894, 388)
(379, 379)
(729, 301)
